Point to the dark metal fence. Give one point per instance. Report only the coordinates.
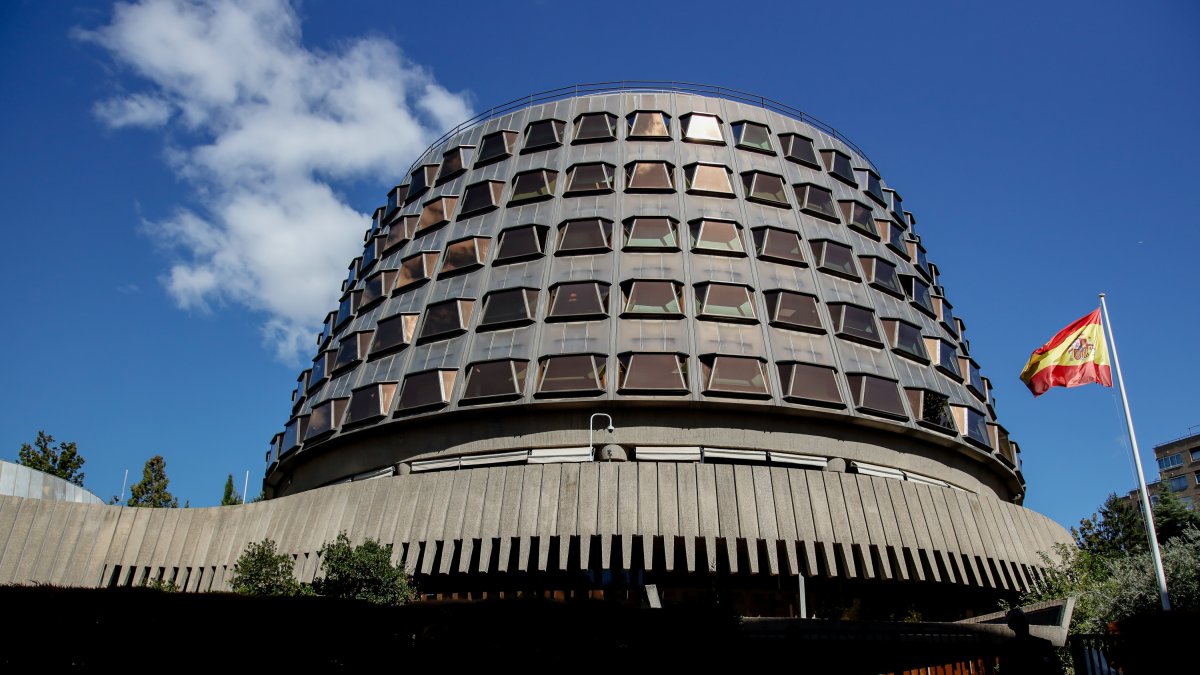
(647, 87)
(1092, 654)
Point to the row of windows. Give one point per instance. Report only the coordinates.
(600, 127)
(645, 374)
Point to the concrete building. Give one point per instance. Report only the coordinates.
(21, 481)
(604, 337)
(1178, 471)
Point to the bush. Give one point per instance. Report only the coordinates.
(260, 570)
(363, 572)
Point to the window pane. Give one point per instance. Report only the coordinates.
(859, 216)
(702, 127)
(794, 310)
(948, 359)
(400, 231)
(752, 135)
(414, 270)
(510, 306)
(918, 292)
(394, 332)
(420, 181)
(946, 316)
(584, 178)
(717, 236)
(653, 372)
(799, 149)
(376, 288)
(736, 375)
(579, 236)
(895, 238)
(350, 350)
(432, 387)
(838, 164)
(578, 300)
(975, 379)
(649, 124)
(765, 187)
(649, 176)
(854, 322)
(436, 213)
(835, 257)
(651, 233)
(816, 200)
(518, 243)
(596, 127)
(874, 189)
(533, 185)
(495, 379)
(495, 146)
(779, 246)
(876, 394)
(481, 197)
(977, 427)
(543, 134)
(935, 410)
(653, 297)
(909, 341)
(727, 300)
(464, 255)
(809, 383)
(320, 369)
(883, 274)
(708, 179)
(455, 162)
(443, 319)
(561, 374)
(346, 308)
(370, 402)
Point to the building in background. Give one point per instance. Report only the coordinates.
(17, 480)
(607, 338)
(1178, 471)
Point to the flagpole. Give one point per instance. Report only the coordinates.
(1137, 462)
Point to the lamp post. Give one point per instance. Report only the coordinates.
(591, 428)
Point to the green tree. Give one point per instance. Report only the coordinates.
(1117, 529)
(1172, 517)
(261, 570)
(152, 489)
(231, 497)
(363, 572)
(62, 460)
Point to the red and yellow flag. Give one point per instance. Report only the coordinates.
(1076, 355)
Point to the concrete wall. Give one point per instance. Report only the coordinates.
(768, 520)
(21, 481)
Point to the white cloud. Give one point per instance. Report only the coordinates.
(278, 125)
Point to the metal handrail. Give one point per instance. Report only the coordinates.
(644, 86)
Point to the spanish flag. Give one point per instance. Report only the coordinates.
(1076, 355)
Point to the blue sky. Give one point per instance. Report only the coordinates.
(169, 171)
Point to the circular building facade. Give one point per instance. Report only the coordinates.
(731, 286)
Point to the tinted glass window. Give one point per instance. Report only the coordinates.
(876, 394)
(726, 301)
(883, 275)
(533, 185)
(649, 124)
(455, 162)
(571, 374)
(782, 246)
(735, 375)
(946, 316)
(376, 288)
(799, 149)
(400, 231)
(709, 179)
(352, 350)
(519, 243)
(653, 297)
(495, 379)
(717, 236)
(918, 292)
(977, 427)
(595, 127)
(496, 146)
(859, 216)
(587, 178)
(394, 332)
(651, 234)
(436, 213)
(320, 370)
(854, 322)
(752, 136)
(415, 269)
(765, 187)
(816, 200)
(653, 373)
(429, 388)
(794, 310)
(370, 402)
(517, 305)
(444, 319)
(834, 257)
(895, 237)
(809, 384)
(935, 410)
(464, 255)
(874, 189)
(838, 164)
(975, 379)
(655, 176)
(481, 197)
(543, 134)
(948, 359)
(420, 181)
(585, 236)
(578, 300)
(701, 127)
(908, 340)
(346, 308)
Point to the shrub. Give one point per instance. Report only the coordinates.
(260, 570)
(363, 572)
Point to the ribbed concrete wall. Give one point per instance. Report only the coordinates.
(752, 519)
(21, 481)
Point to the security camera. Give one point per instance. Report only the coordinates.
(610, 428)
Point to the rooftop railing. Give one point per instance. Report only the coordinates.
(647, 87)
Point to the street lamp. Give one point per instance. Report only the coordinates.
(591, 427)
